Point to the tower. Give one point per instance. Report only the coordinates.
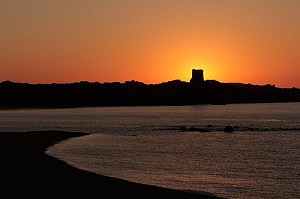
(197, 76)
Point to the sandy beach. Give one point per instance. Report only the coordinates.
(26, 171)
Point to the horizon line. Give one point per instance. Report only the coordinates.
(136, 81)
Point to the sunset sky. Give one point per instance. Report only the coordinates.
(152, 41)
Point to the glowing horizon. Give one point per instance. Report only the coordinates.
(155, 41)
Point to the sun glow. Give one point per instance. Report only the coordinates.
(150, 41)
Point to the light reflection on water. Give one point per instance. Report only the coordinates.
(144, 144)
(238, 165)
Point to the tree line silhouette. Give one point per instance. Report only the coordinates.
(134, 93)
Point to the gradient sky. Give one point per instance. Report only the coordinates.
(152, 41)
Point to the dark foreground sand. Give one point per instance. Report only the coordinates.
(27, 172)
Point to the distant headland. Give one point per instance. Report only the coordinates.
(134, 93)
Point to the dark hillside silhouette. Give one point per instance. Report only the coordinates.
(133, 93)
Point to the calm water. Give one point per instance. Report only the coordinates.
(261, 159)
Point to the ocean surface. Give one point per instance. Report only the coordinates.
(259, 159)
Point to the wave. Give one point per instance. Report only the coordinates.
(211, 128)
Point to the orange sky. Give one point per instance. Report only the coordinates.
(151, 41)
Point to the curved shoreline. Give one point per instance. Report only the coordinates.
(27, 171)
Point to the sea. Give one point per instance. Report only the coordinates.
(180, 147)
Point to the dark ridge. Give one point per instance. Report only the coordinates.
(133, 93)
(211, 128)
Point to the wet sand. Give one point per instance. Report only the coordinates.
(26, 171)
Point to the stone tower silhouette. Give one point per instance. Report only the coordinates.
(197, 76)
